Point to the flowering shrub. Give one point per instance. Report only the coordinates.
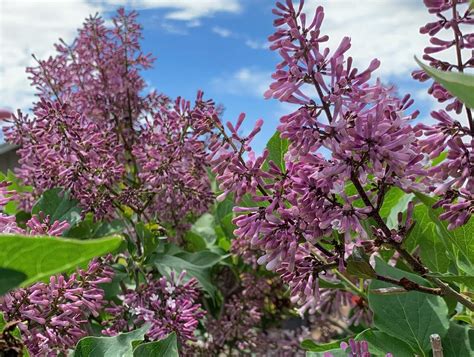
(351, 234)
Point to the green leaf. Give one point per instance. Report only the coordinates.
(460, 85)
(57, 204)
(333, 353)
(428, 237)
(167, 347)
(395, 201)
(277, 148)
(117, 346)
(458, 242)
(148, 239)
(468, 281)
(227, 226)
(459, 341)
(113, 289)
(10, 279)
(194, 242)
(204, 227)
(439, 159)
(224, 208)
(329, 285)
(167, 263)
(412, 316)
(88, 228)
(39, 257)
(392, 197)
(358, 264)
(310, 345)
(203, 259)
(381, 343)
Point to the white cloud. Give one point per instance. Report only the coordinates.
(257, 45)
(185, 10)
(245, 81)
(32, 26)
(222, 32)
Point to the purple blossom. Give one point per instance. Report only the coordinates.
(168, 305)
(452, 179)
(40, 225)
(53, 317)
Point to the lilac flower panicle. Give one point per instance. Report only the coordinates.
(362, 125)
(169, 305)
(95, 133)
(452, 179)
(53, 316)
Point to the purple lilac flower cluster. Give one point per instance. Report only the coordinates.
(362, 128)
(169, 305)
(453, 178)
(53, 317)
(94, 132)
(172, 162)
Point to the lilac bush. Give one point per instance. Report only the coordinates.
(350, 234)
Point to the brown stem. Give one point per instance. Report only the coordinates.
(409, 285)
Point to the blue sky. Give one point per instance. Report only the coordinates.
(218, 46)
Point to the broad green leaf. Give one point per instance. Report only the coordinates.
(148, 239)
(113, 288)
(167, 263)
(204, 227)
(458, 242)
(57, 204)
(395, 201)
(381, 343)
(333, 353)
(194, 242)
(409, 316)
(459, 341)
(460, 85)
(427, 236)
(310, 345)
(39, 257)
(358, 264)
(117, 346)
(464, 238)
(88, 228)
(392, 197)
(167, 347)
(329, 285)
(468, 281)
(227, 226)
(277, 148)
(203, 259)
(224, 208)
(10, 279)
